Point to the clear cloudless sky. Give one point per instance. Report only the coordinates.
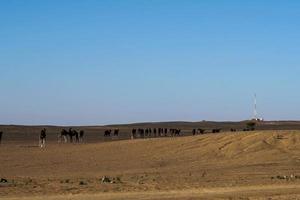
(86, 62)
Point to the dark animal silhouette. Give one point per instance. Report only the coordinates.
(1, 134)
(141, 132)
(216, 130)
(177, 132)
(194, 131)
(63, 136)
(201, 131)
(81, 134)
(70, 134)
(160, 132)
(172, 131)
(73, 133)
(42, 142)
(155, 132)
(166, 132)
(76, 134)
(107, 133)
(116, 132)
(133, 133)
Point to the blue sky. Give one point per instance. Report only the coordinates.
(100, 62)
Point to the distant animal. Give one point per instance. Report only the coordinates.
(133, 133)
(147, 132)
(177, 132)
(233, 130)
(154, 132)
(42, 141)
(172, 131)
(70, 134)
(116, 132)
(141, 132)
(76, 134)
(107, 133)
(160, 132)
(166, 132)
(216, 130)
(194, 131)
(81, 134)
(63, 136)
(73, 133)
(201, 131)
(1, 133)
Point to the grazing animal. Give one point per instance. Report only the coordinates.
(81, 134)
(116, 132)
(201, 131)
(42, 142)
(141, 133)
(76, 134)
(1, 133)
(70, 134)
(172, 131)
(194, 131)
(166, 132)
(148, 132)
(233, 130)
(160, 130)
(154, 132)
(73, 133)
(177, 132)
(63, 136)
(216, 130)
(133, 133)
(107, 133)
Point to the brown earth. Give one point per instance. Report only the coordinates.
(242, 165)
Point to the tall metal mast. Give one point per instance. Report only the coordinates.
(255, 107)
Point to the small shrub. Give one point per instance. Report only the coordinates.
(82, 183)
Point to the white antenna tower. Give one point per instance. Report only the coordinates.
(255, 108)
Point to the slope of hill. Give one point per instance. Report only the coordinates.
(250, 165)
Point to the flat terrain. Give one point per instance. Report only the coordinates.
(242, 165)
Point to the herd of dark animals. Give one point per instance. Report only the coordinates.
(66, 136)
(108, 133)
(155, 132)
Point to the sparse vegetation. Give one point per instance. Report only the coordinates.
(82, 183)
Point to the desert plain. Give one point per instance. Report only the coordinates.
(261, 164)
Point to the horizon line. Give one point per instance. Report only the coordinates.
(145, 122)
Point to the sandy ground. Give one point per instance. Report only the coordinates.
(248, 165)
